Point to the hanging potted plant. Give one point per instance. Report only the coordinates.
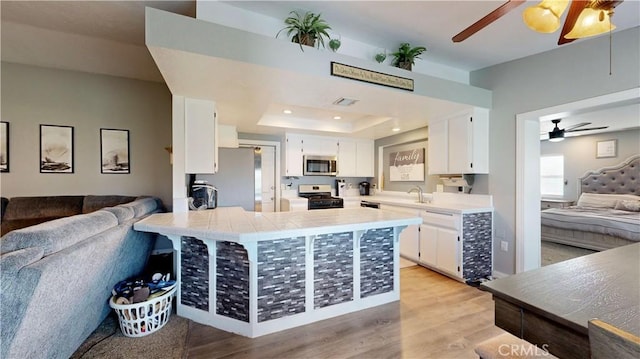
(308, 29)
(406, 55)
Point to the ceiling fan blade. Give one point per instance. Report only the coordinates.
(572, 16)
(491, 17)
(577, 125)
(588, 129)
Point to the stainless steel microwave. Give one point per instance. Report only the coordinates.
(319, 165)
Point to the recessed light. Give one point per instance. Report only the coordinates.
(337, 118)
(395, 129)
(288, 112)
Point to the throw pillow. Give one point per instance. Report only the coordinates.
(630, 206)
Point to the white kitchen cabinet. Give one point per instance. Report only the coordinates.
(365, 158)
(347, 159)
(409, 237)
(439, 242)
(320, 146)
(355, 156)
(457, 245)
(293, 155)
(201, 136)
(460, 143)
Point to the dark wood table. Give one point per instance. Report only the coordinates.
(551, 306)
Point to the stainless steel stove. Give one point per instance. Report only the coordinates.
(319, 196)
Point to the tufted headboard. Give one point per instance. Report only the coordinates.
(620, 179)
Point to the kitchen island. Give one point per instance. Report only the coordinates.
(255, 273)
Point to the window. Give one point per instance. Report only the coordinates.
(552, 176)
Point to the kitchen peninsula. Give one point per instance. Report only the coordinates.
(255, 273)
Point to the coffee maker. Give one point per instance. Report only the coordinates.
(203, 196)
(341, 187)
(365, 188)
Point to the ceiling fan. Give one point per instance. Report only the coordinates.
(585, 18)
(557, 134)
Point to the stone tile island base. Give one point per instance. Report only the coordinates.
(262, 286)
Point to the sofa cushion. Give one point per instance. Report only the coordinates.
(3, 206)
(93, 203)
(8, 226)
(122, 213)
(12, 262)
(58, 234)
(45, 206)
(142, 206)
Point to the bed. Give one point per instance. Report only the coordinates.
(607, 213)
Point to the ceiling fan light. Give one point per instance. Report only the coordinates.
(591, 22)
(556, 135)
(545, 17)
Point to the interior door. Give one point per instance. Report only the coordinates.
(268, 178)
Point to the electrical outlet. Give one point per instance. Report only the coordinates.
(504, 246)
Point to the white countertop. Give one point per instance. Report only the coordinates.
(437, 202)
(237, 225)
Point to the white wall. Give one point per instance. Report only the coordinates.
(569, 73)
(33, 95)
(580, 154)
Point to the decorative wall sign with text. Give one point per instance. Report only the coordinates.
(407, 165)
(356, 73)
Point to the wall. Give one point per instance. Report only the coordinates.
(235, 179)
(32, 96)
(569, 73)
(579, 154)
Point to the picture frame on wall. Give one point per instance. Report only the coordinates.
(4, 146)
(407, 165)
(114, 151)
(56, 149)
(606, 149)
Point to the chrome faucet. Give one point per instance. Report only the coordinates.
(419, 190)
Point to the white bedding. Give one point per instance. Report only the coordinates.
(606, 221)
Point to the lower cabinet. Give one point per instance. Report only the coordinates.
(439, 248)
(457, 245)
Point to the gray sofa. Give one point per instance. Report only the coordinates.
(57, 276)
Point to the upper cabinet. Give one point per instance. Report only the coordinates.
(293, 155)
(201, 136)
(355, 156)
(460, 143)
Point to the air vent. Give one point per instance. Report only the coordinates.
(342, 101)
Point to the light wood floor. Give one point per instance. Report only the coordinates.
(436, 317)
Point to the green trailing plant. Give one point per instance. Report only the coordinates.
(334, 44)
(406, 55)
(380, 57)
(308, 29)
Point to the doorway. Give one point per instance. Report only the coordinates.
(528, 170)
(266, 169)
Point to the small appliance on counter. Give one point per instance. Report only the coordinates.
(341, 187)
(203, 196)
(365, 188)
(319, 196)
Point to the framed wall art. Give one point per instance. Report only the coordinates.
(114, 151)
(56, 149)
(4, 146)
(407, 165)
(606, 149)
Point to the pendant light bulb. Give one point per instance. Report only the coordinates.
(545, 17)
(591, 22)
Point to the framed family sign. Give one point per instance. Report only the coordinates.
(407, 165)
